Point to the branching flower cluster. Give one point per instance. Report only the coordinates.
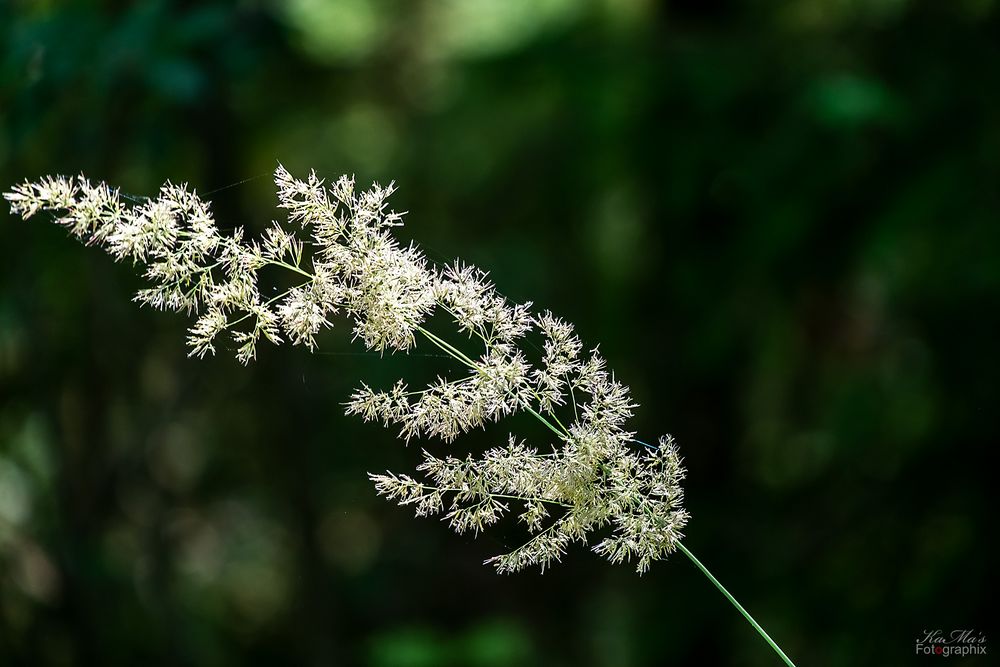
(338, 255)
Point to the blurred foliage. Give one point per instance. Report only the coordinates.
(779, 221)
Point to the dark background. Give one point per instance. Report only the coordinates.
(779, 220)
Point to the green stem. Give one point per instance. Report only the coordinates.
(736, 604)
(461, 356)
(564, 435)
(296, 269)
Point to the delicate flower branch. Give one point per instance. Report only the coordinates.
(593, 479)
(350, 263)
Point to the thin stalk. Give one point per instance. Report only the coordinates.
(266, 303)
(290, 267)
(489, 345)
(460, 356)
(736, 604)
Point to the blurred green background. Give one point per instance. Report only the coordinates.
(778, 219)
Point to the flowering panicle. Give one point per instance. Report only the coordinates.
(344, 259)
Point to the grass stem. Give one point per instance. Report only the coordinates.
(736, 604)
